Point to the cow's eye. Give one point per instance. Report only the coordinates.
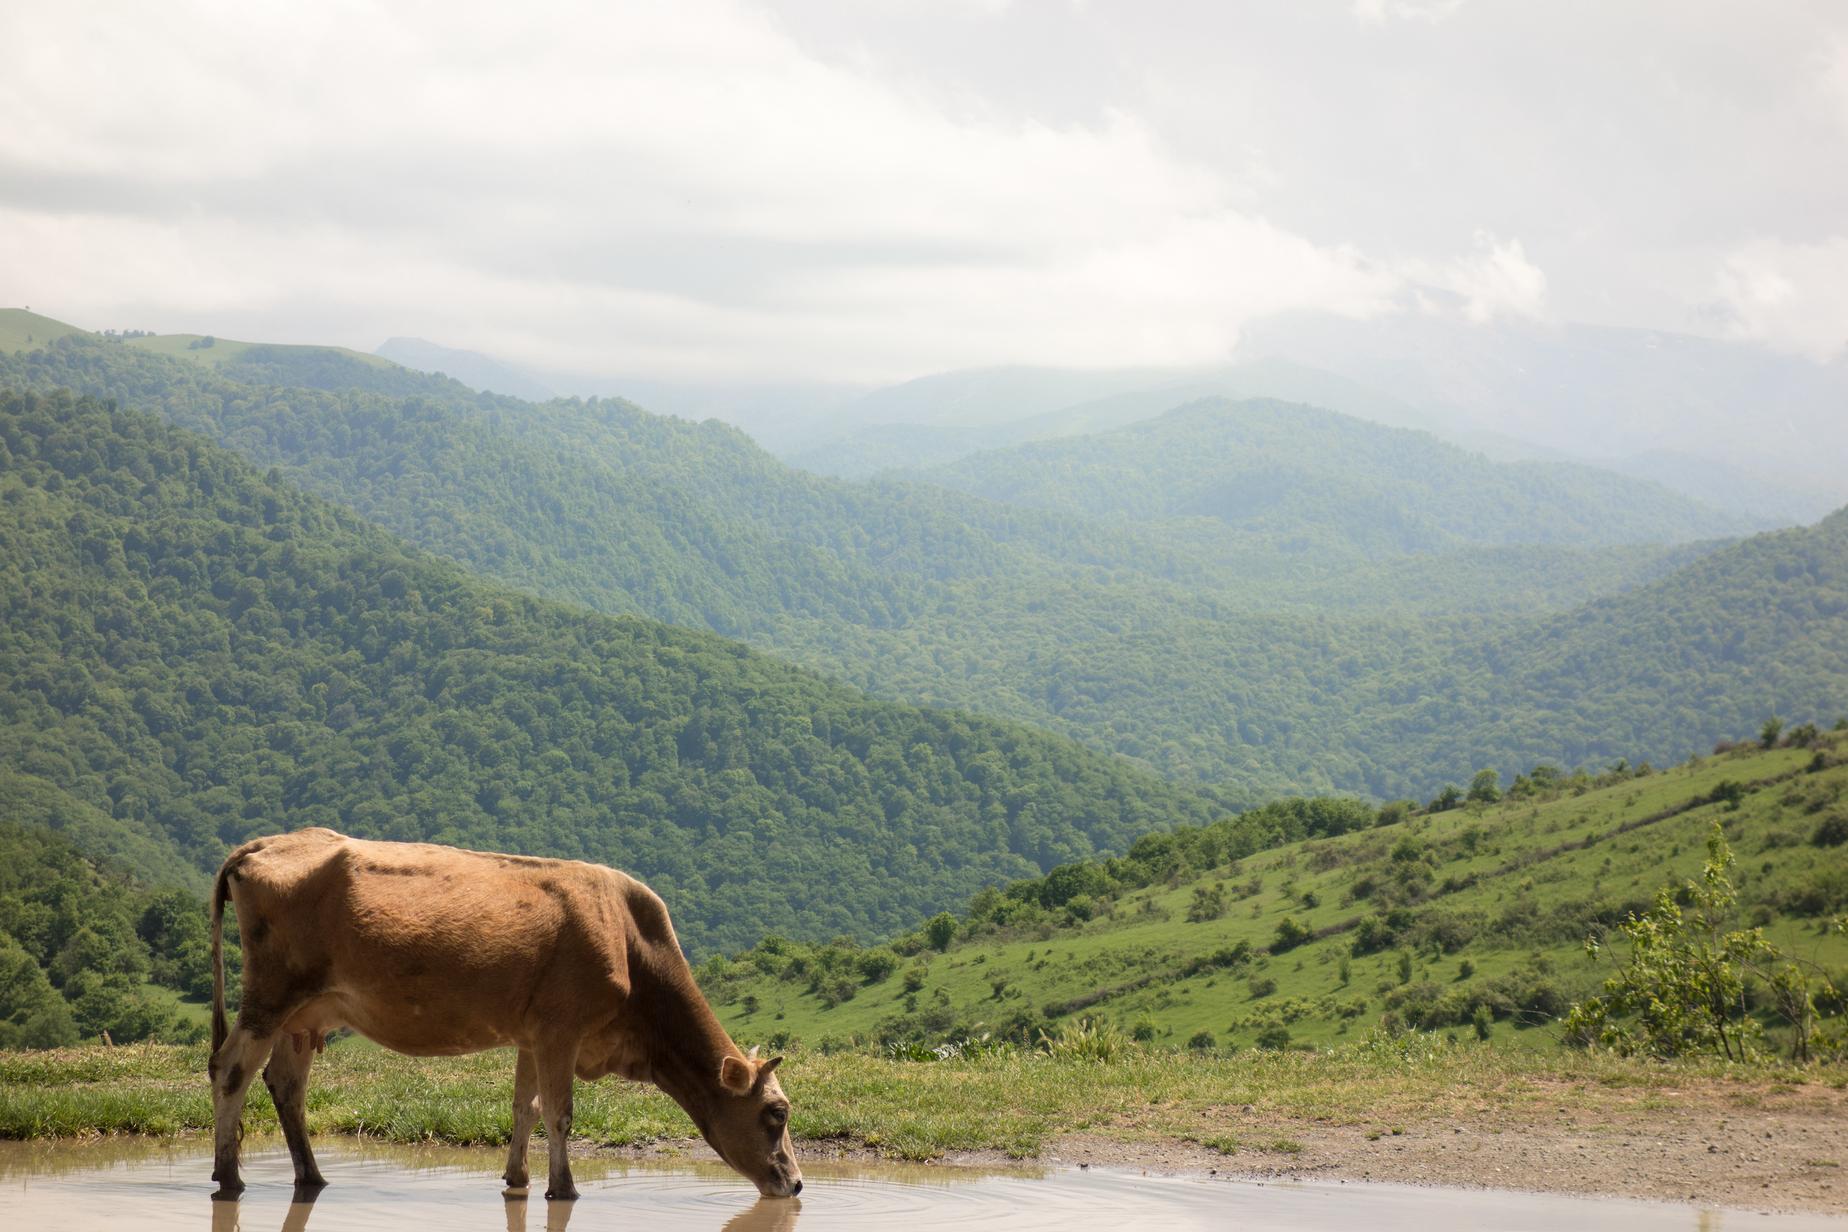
(776, 1115)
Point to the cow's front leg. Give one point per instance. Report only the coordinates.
(232, 1068)
(557, 1065)
(525, 1114)
(286, 1076)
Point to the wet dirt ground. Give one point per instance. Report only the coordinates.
(130, 1183)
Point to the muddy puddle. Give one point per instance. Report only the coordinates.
(128, 1183)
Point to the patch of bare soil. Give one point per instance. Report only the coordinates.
(1783, 1149)
(1771, 1149)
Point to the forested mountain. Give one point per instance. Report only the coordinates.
(1031, 405)
(1296, 473)
(201, 654)
(1594, 391)
(1260, 661)
(1395, 708)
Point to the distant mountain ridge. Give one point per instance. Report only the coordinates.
(472, 368)
(1275, 467)
(1263, 660)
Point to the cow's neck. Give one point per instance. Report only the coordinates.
(685, 1044)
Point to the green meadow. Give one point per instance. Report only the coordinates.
(1011, 1103)
(1413, 924)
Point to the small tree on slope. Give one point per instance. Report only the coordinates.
(1683, 989)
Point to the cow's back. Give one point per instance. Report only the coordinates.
(426, 948)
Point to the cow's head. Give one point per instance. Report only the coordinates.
(748, 1125)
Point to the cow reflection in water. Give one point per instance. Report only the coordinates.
(432, 951)
(765, 1215)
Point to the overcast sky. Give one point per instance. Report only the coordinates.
(873, 189)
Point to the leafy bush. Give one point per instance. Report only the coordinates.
(1209, 903)
(1290, 934)
(1683, 987)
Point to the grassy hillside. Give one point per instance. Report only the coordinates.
(1298, 473)
(21, 330)
(1410, 919)
(216, 352)
(203, 653)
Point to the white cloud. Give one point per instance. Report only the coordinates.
(1379, 12)
(1493, 280)
(668, 187)
(690, 188)
(1793, 297)
(1832, 77)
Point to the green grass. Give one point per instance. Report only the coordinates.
(226, 350)
(1523, 862)
(21, 330)
(1012, 1103)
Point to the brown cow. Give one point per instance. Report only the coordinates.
(433, 951)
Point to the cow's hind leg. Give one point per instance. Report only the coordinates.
(556, 1066)
(525, 1113)
(232, 1068)
(286, 1076)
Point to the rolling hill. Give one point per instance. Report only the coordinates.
(199, 653)
(1307, 651)
(24, 330)
(1310, 921)
(1296, 472)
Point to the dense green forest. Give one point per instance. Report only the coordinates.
(86, 950)
(1310, 920)
(201, 653)
(1251, 661)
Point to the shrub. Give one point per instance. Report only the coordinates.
(1209, 903)
(1729, 792)
(1831, 832)
(940, 930)
(1261, 986)
(876, 965)
(1202, 1041)
(1290, 934)
(1274, 1039)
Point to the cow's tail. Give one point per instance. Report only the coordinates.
(221, 893)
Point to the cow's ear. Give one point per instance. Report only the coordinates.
(736, 1075)
(764, 1070)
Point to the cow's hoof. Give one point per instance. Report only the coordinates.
(228, 1193)
(562, 1195)
(520, 1186)
(310, 1189)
